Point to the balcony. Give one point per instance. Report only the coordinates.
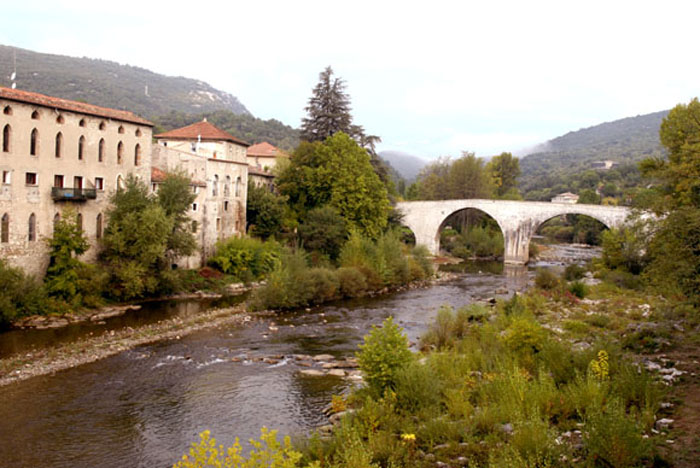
(72, 194)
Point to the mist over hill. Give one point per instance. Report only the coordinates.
(407, 165)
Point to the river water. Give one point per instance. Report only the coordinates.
(143, 408)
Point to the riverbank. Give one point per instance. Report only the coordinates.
(48, 360)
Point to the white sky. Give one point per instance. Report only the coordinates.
(431, 78)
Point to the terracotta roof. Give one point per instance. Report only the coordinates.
(259, 172)
(72, 106)
(265, 150)
(203, 130)
(158, 176)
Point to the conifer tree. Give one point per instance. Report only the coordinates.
(328, 111)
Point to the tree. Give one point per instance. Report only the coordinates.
(504, 170)
(338, 173)
(328, 111)
(265, 211)
(66, 244)
(324, 230)
(176, 198)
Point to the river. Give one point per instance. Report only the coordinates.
(143, 407)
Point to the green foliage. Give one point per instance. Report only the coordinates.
(504, 170)
(547, 280)
(323, 230)
(573, 272)
(624, 249)
(578, 289)
(525, 335)
(246, 258)
(20, 294)
(68, 241)
(265, 213)
(444, 179)
(338, 173)
(266, 453)
(382, 355)
(175, 198)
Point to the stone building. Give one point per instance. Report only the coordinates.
(216, 163)
(265, 156)
(566, 197)
(57, 154)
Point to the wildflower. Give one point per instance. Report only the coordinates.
(408, 437)
(600, 367)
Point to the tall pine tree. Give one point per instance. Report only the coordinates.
(328, 111)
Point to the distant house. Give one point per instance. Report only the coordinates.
(566, 197)
(265, 156)
(261, 178)
(603, 165)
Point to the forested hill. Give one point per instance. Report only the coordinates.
(625, 141)
(110, 84)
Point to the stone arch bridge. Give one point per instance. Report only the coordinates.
(518, 220)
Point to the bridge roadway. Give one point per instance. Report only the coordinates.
(518, 220)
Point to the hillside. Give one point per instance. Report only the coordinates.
(110, 84)
(556, 165)
(407, 165)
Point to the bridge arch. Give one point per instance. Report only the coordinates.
(518, 220)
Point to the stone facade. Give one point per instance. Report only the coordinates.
(58, 154)
(265, 156)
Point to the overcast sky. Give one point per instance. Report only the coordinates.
(431, 78)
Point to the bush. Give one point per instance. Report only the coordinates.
(20, 294)
(324, 284)
(547, 280)
(323, 230)
(382, 355)
(623, 279)
(578, 289)
(288, 286)
(352, 282)
(525, 334)
(574, 272)
(246, 258)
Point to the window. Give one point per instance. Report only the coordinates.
(6, 135)
(138, 132)
(195, 189)
(227, 187)
(193, 147)
(58, 181)
(120, 182)
(6, 177)
(77, 182)
(98, 226)
(120, 152)
(60, 119)
(5, 228)
(35, 115)
(34, 142)
(30, 178)
(194, 207)
(215, 186)
(82, 122)
(99, 183)
(32, 228)
(56, 219)
(79, 221)
(137, 155)
(101, 150)
(194, 226)
(218, 224)
(59, 144)
(226, 206)
(7, 110)
(238, 186)
(121, 129)
(102, 125)
(81, 148)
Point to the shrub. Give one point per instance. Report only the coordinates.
(574, 272)
(623, 279)
(246, 258)
(525, 334)
(352, 282)
(418, 386)
(381, 356)
(324, 284)
(288, 286)
(578, 289)
(20, 294)
(546, 279)
(323, 230)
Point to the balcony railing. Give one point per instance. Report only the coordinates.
(72, 194)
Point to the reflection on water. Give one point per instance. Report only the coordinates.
(142, 408)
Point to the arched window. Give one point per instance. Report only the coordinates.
(120, 152)
(227, 187)
(34, 143)
(60, 119)
(6, 136)
(138, 132)
(7, 110)
(137, 155)
(5, 228)
(59, 144)
(101, 150)
(81, 148)
(215, 186)
(120, 182)
(238, 186)
(35, 115)
(82, 122)
(79, 221)
(32, 227)
(98, 226)
(103, 125)
(56, 219)
(121, 129)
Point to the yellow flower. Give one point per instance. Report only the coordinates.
(408, 437)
